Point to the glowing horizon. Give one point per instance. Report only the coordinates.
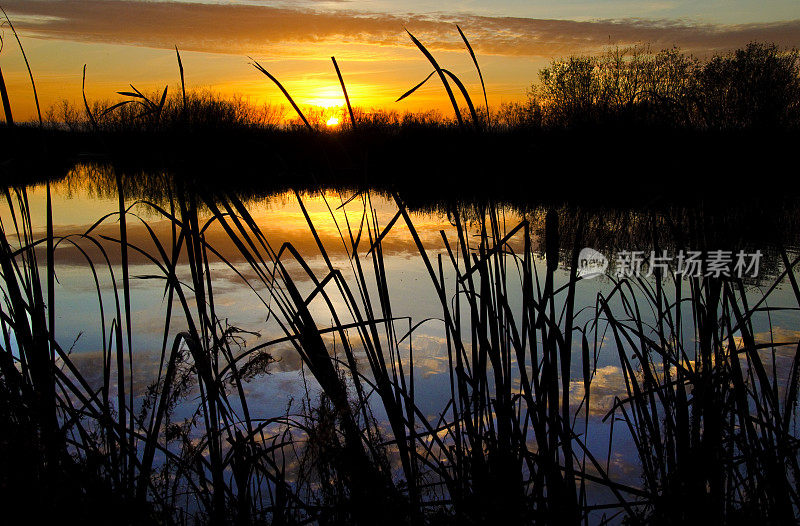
(295, 39)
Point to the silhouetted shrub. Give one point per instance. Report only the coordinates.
(202, 110)
(754, 87)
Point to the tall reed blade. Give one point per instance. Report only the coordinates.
(466, 96)
(27, 64)
(92, 120)
(480, 75)
(260, 68)
(441, 75)
(6, 102)
(344, 90)
(183, 81)
(415, 88)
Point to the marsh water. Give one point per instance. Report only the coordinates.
(80, 205)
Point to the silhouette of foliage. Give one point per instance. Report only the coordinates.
(754, 87)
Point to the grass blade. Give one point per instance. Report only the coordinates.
(183, 83)
(27, 65)
(465, 93)
(92, 120)
(480, 75)
(344, 90)
(415, 88)
(260, 68)
(441, 75)
(6, 103)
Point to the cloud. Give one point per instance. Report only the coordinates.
(281, 225)
(250, 29)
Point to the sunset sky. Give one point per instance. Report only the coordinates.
(131, 41)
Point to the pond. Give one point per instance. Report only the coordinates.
(500, 347)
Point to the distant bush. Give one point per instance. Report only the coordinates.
(203, 110)
(757, 86)
(519, 115)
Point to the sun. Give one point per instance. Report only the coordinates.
(333, 121)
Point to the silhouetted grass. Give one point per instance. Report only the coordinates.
(201, 110)
(506, 447)
(714, 432)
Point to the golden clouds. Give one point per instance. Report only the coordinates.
(245, 29)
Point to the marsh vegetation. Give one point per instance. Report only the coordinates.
(706, 399)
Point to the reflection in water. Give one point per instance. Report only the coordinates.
(91, 192)
(241, 298)
(654, 224)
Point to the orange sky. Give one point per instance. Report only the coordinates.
(130, 41)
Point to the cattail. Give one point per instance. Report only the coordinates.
(551, 240)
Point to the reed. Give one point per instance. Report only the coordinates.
(713, 430)
(709, 426)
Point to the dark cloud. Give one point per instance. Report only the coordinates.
(258, 29)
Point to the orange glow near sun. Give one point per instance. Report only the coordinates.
(325, 97)
(333, 121)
